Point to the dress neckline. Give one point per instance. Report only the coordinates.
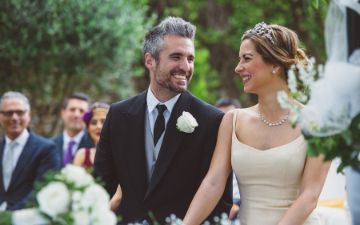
(298, 139)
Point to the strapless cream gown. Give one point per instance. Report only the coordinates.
(269, 180)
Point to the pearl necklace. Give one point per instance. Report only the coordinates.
(269, 124)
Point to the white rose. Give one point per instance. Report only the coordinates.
(81, 218)
(95, 195)
(54, 199)
(28, 217)
(77, 175)
(102, 216)
(76, 200)
(76, 196)
(186, 123)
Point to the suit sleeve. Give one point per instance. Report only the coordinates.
(103, 164)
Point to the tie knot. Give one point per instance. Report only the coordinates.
(161, 108)
(12, 144)
(71, 143)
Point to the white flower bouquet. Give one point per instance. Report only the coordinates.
(70, 197)
(330, 121)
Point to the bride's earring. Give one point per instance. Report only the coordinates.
(275, 70)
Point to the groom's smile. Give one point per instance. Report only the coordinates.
(174, 68)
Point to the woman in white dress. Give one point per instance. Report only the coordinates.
(279, 184)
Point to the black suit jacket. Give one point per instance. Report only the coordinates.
(38, 156)
(85, 142)
(182, 163)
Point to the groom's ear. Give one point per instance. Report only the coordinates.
(149, 61)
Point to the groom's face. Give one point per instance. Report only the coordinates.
(174, 68)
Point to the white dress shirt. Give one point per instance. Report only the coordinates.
(152, 102)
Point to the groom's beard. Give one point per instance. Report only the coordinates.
(176, 80)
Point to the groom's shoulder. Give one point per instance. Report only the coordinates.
(205, 108)
(136, 100)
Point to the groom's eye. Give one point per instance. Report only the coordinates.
(175, 56)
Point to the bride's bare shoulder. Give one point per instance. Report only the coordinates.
(240, 114)
(246, 112)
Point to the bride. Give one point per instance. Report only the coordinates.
(279, 184)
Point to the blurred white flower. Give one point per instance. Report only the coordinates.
(285, 103)
(173, 220)
(81, 218)
(102, 216)
(76, 200)
(69, 197)
(28, 216)
(95, 195)
(77, 175)
(186, 123)
(332, 106)
(292, 83)
(54, 199)
(308, 73)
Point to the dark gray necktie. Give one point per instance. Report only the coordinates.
(159, 123)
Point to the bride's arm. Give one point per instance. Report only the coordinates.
(312, 182)
(213, 185)
(116, 199)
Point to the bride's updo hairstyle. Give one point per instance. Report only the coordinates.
(277, 45)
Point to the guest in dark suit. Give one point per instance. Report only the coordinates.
(74, 135)
(159, 166)
(25, 156)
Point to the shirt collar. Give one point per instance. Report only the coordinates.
(152, 102)
(21, 139)
(76, 138)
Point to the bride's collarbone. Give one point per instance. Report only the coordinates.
(263, 139)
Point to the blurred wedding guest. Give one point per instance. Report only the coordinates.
(74, 135)
(94, 120)
(225, 105)
(24, 155)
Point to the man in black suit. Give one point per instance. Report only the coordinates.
(159, 166)
(74, 135)
(25, 156)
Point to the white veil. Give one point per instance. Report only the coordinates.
(335, 98)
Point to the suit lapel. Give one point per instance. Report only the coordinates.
(171, 142)
(59, 140)
(135, 146)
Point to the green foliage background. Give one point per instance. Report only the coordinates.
(51, 48)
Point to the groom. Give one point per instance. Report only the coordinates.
(159, 166)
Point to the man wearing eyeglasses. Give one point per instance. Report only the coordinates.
(24, 155)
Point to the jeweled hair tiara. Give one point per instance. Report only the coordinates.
(263, 30)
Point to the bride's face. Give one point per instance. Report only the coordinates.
(254, 72)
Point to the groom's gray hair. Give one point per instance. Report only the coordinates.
(154, 39)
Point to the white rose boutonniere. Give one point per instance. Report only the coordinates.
(186, 123)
